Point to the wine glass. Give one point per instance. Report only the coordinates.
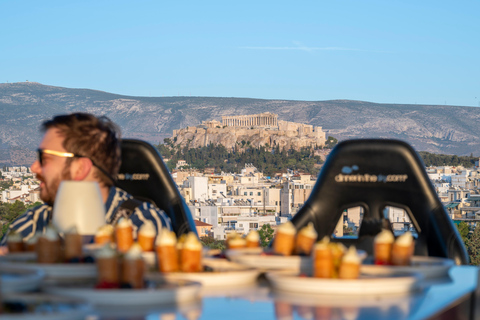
(79, 204)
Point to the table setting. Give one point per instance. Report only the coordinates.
(298, 276)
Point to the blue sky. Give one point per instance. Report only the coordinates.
(424, 52)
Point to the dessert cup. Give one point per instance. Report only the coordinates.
(349, 270)
(48, 251)
(124, 235)
(15, 246)
(191, 260)
(167, 252)
(31, 244)
(191, 254)
(284, 241)
(383, 253)
(253, 239)
(401, 255)
(350, 265)
(105, 234)
(167, 257)
(338, 250)
(146, 236)
(382, 247)
(402, 250)
(305, 240)
(73, 245)
(323, 263)
(14, 242)
(133, 267)
(107, 262)
(237, 243)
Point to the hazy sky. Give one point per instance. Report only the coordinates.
(389, 51)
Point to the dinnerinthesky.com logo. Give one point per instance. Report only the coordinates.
(348, 175)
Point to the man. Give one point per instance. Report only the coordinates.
(81, 147)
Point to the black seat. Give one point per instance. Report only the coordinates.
(374, 174)
(144, 175)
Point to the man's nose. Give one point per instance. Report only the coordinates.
(35, 168)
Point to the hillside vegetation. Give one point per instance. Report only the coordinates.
(431, 159)
(266, 160)
(272, 160)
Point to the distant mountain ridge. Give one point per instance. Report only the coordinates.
(433, 128)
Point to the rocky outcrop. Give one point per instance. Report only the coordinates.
(232, 137)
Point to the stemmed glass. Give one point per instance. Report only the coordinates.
(79, 204)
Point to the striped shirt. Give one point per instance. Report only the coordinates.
(37, 219)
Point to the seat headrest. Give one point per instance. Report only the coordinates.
(144, 175)
(374, 174)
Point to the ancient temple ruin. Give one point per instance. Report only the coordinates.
(260, 120)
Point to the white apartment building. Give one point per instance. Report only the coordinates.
(293, 195)
(217, 190)
(441, 187)
(204, 212)
(399, 219)
(460, 180)
(256, 194)
(228, 215)
(199, 186)
(14, 193)
(272, 198)
(457, 194)
(248, 180)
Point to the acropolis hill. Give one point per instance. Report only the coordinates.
(259, 129)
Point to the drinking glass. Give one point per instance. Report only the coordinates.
(79, 204)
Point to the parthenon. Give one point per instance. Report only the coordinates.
(259, 129)
(263, 119)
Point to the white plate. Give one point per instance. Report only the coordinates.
(19, 256)
(243, 251)
(149, 257)
(60, 271)
(43, 306)
(163, 293)
(16, 279)
(272, 262)
(224, 273)
(268, 262)
(429, 267)
(383, 282)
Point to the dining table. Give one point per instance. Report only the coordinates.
(453, 297)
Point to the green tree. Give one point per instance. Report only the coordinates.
(433, 159)
(331, 142)
(11, 211)
(464, 230)
(266, 235)
(168, 142)
(348, 231)
(5, 184)
(212, 243)
(473, 247)
(268, 161)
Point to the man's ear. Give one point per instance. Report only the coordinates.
(81, 168)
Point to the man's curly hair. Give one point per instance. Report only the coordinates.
(97, 138)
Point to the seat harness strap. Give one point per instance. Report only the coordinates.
(125, 210)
